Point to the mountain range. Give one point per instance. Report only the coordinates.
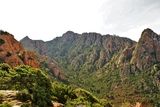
(117, 69)
(28, 79)
(109, 66)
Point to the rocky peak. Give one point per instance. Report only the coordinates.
(33, 44)
(69, 36)
(147, 35)
(68, 33)
(147, 50)
(26, 38)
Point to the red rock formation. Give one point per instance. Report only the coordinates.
(29, 59)
(12, 52)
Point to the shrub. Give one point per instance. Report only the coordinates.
(62, 92)
(85, 94)
(26, 105)
(5, 67)
(36, 83)
(5, 105)
(32, 83)
(23, 95)
(1, 98)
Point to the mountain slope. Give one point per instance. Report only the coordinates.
(112, 67)
(133, 73)
(88, 50)
(13, 53)
(147, 50)
(29, 87)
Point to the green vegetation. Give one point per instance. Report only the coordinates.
(23, 95)
(71, 97)
(119, 86)
(1, 97)
(84, 68)
(5, 105)
(34, 86)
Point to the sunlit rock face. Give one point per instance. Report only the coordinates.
(13, 53)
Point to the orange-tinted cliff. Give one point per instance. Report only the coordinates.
(12, 52)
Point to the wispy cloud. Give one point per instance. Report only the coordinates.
(127, 16)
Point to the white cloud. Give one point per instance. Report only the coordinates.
(129, 17)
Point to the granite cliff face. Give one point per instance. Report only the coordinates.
(142, 55)
(147, 50)
(88, 50)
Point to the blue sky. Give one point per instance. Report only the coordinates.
(47, 19)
